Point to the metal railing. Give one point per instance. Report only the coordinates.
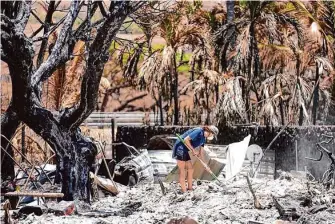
(102, 119)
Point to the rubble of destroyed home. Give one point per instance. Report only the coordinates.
(143, 187)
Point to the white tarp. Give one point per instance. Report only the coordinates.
(235, 157)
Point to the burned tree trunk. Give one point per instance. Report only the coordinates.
(9, 124)
(75, 168)
(75, 153)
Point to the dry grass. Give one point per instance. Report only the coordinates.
(37, 151)
(103, 135)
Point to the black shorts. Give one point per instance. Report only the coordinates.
(182, 154)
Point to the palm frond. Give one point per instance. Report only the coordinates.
(231, 102)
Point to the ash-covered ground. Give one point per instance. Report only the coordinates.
(210, 202)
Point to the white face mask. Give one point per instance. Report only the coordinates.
(210, 138)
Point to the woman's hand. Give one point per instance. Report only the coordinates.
(195, 153)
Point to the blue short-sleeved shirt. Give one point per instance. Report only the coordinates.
(197, 139)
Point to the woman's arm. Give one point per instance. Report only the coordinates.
(189, 145)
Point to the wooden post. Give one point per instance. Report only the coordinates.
(23, 135)
(296, 155)
(113, 129)
(113, 137)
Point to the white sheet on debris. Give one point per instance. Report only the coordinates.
(235, 157)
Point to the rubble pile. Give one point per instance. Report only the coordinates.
(290, 199)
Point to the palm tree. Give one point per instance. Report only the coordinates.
(319, 23)
(260, 23)
(203, 87)
(178, 30)
(148, 75)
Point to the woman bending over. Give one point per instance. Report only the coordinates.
(195, 139)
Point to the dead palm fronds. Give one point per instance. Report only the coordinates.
(64, 84)
(167, 70)
(231, 105)
(204, 87)
(274, 56)
(149, 72)
(269, 109)
(72, 86)
(130, 70)
(263, 22)
(207, 76)
(150, 67)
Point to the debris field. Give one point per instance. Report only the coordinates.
(287, 199)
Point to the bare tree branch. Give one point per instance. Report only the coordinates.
(102, 9)
(6, 22)
(60, 52)
(36, 32)
(46, 24)
(15, 47)
(46, 36)
(135, 5)
(15, 19)
(125, 104)
(98, 55)
(23, 16)
(38, 19)
(81, 30)
(111, 90)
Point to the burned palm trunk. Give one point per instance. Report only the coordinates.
(230, 16)
(175, 91)
(316, 95)
(250, 72)
(207, 101)
(161, 111)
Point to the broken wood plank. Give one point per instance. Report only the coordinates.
(163, 188)
(7, 207)
(106, 184)
(278, 206)
(285, 213)
(317, 208)
(104, 220)
(111, 177)
(35, 194)
(255, 222)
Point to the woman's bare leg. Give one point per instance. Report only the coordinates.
(182, 174)
(189, 168)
